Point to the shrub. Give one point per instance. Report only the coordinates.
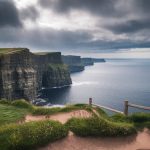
(119, 118)
(45, 111)
(98, 126)
(22, 104)
(140, 117)
(101, 112)
(50, 111)
(3, 101)
(30, 135)
(11, 114)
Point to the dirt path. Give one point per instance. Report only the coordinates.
(61, 117)
(72, 142)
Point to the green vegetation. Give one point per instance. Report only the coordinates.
(22, 104)
(10, 50)
(47, 53)
(11, 114)
(99, 126)
(57, 66)
(19, 136)
(30, 135)
(50, 111)
(140, 120)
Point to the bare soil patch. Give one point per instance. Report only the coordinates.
(61, 117)
(72, 142)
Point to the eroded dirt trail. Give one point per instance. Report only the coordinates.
(61, 117)
(72, 142)
(139, 142)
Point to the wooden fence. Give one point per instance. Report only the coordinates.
(126, 107)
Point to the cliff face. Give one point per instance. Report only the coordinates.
(73, 62)
(56, 75)
(99, 60)
(17, 75)
(22, 73)
(87, 61)
(51, 70)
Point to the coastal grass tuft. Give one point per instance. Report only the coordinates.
(57, 66)
(11, 114)
(5, 102)
(140, 120)
(50, 111)
(99, 126)
(22, 104)
(10, 50)
(30, 135)
(139, 117)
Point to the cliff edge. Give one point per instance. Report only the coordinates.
(23, 73)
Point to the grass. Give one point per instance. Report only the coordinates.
(99, 126)
(22, 104)
(9, 50)
(140, 120)
(57, 66)
(11, 114)
(50, 111)
(30, 135)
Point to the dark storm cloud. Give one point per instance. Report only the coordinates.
(129, 17)
(42, 38)
(130, 26)
(9, 14)
(142, 5)
(97, 7)
(29, 13)
(120, 9)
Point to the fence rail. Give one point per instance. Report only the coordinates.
(126, 107)
(108, 108)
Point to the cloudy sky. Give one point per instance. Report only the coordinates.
(106, 26)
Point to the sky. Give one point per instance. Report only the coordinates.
(113, 28)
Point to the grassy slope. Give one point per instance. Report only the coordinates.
(9, 50)
(11, 114)
(57, 66)
(29, 136)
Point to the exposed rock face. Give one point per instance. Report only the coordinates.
(18, 77)
(51, 70)
(87, 61)
(98, 60)
(23, 73)
(56, 75)
(74, 63)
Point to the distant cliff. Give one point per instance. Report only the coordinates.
(98, 60)
(73, 62)
(87, 61)
(23, 73)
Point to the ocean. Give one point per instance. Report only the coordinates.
(108, 84)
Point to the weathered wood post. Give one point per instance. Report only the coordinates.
(126, 108)
(90, 101)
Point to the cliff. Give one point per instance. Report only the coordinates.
(98, 60)
(23, 73)
(73, 62)
(87, 61)
(51, 70)
(18, 76)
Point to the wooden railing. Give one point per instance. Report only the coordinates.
(126, 107)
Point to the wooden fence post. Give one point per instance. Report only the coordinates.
(126, 108)
(90, 101)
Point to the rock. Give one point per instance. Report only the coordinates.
(22, 73)
(73, 62)
(98, 60)
(87, 61)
